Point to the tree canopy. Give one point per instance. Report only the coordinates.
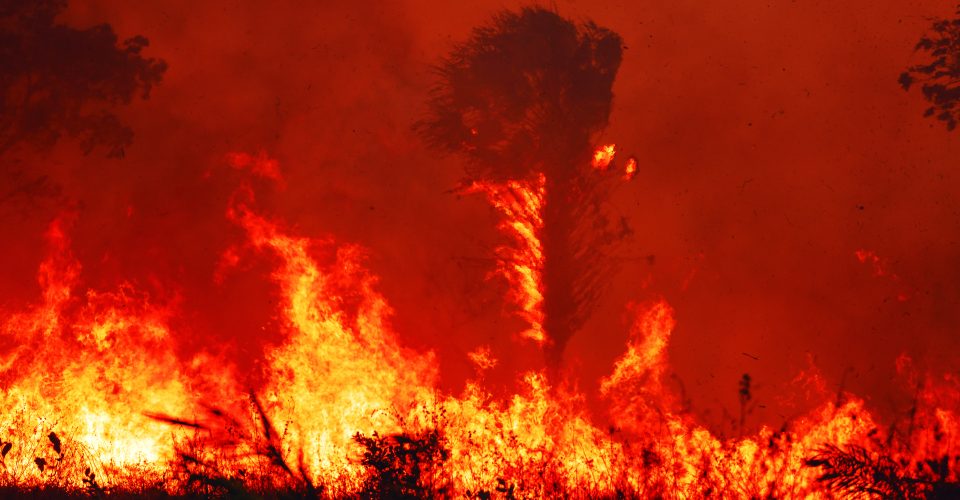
(525, 88)
(58, 80)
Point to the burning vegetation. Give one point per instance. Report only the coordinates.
(523, 100)
(97, 400)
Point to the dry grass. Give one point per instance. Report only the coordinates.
(415, 464)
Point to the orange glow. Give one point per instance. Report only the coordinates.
(882, 269)
(603, 156)
(260, 164)
(86, 366)
(870, 257)
(482, 358)
(630, 169)
(340, 369)
(102, 361)
(521, 263)
(274, 293)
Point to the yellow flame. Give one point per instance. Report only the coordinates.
(521, 263)
(630, 170)
(87, 364)
(603, 156)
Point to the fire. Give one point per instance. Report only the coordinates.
(92, 385)
(630, 170)
(341, 368)
(603, 156)
(521, 264)
(69, 395)
(482, 358)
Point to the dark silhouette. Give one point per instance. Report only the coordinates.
(524, 96)
(403, 465)
(58, 80)
(855, 472)
(221, 432)
(939, 77)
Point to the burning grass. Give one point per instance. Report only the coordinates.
(231, 457)
(537, 444)
(95, 403)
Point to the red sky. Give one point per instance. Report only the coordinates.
(773, 142)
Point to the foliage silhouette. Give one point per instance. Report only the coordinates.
(525, 96)
(200, 461)
(58, 80)
(402, 465)
(857, 473)
(939, 77)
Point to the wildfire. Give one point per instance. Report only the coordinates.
(69, 394)
(341, 370)
(345, 409)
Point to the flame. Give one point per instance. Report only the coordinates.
(521, 263)
(340, 369)
(85, 367)
(630, 170)
(603, 156)
(346, 407)
(482, 358)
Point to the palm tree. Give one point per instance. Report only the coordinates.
(525, 96)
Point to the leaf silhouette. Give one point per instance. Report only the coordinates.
(55, 441)
(939, 76)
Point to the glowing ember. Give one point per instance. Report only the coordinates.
(630, 169)
(603, 156)
(260, 164)
(881, 269)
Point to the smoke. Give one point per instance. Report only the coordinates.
(773, 144)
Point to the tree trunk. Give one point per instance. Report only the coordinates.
(559, 265)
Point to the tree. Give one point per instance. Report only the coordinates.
(58, 80)
(525, 96)
(939, 77)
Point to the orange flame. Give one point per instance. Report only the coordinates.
(86, 366)
(520, 203)
(341, 370)
(630, 170)
(603, 156)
